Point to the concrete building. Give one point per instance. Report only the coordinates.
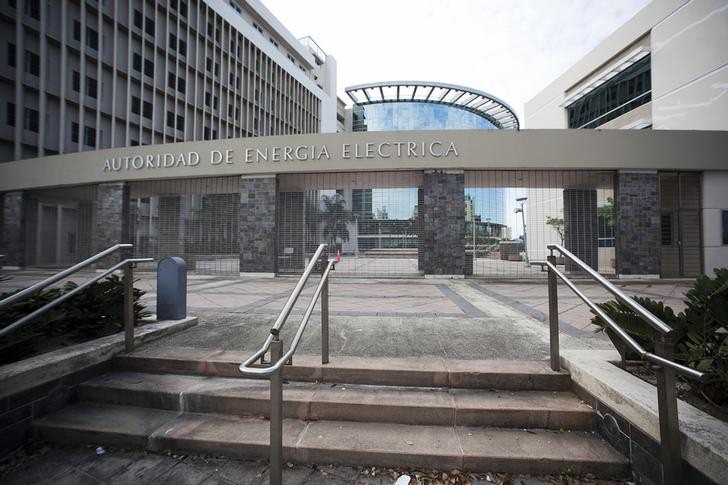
(241, 203)
(77, 76)
(665, 69)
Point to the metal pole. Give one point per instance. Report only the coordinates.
(325, 322)
(553, 316)
(669, 425)
(276, 415)
(129, 307)
(525, 236)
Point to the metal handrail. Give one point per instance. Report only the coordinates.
(274, 371)
(127, 265)
(665, 368)
(21, 295)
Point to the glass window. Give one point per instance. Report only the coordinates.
(137, 62)
(170, 119)
(136, 105)
(624, 92)
(182, 49)
(92, 38)
(172, 41)
(32, 63)
(31, 120)
(149, 26)
(11, 55)
(180, 122)
(148, 68)
(91, 87)
(77, 30)
(171, 80)
(10, 114)
(74, 132)
(89, 136)
(32, 8)
(76, 82)
(138, 19)
(181, 85)
(147, 109)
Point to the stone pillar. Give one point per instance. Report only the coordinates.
(111, 218)
(258, 224)
(637, 224)
(581, 226)
(13, 230)
(443, 233)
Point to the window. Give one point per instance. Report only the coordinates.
(231, 78)
(209, 28)
(181, 85)
(207, 99)
(32, 8)
(217, 69)
(622, 93)
(77, 30)
(11, 55)
(724, 216)
(172, 41)
(91, 87)
(171, 80)
(215, 103)
(183, 9)
(214, 134)
(138, 19)
(237, 82)
(133, 142)
(147, 109)
(236, 7)
(257, 27)
(182, 48)
(180, 123)
(272, 41)
(137, 62)
(32, 63)
(170, 119)
(10, 114)
(237, 114)
(230, 110)
(217, 35)
(136, 104)
(11, 3)
(208, 64)
(291, 58)
(149, 26)
(92, 39)
(74, 132)
(148, 67)
(31, 120)
(76, 81)
(89, 136)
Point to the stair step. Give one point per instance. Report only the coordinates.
(422, 372)
(337, 442)
(346, 402)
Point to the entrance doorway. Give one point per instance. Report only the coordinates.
(680, 227)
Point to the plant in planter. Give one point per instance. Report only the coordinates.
(95, 312)
(701, 331)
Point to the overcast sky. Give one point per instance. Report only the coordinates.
(509, 48)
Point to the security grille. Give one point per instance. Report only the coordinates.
(511, 216)
(680, 254)
(58, 225)
(370, 220)
(196, 219)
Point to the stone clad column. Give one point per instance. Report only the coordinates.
(111, 218)
(13, 229)
(443, 231)
(258, 224)
(637, 224)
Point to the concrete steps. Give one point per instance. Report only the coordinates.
(475, 415)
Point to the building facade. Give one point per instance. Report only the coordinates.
(481, 200)
(665, 69)
(78, 76)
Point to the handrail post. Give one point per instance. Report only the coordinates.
(276, 415)
(129, 307)
(324, 314)
(669, 424)
(553, 316)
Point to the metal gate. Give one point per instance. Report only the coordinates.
(512, 215)
(680, 228)
(369, 219)
(196, 219)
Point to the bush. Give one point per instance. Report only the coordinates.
(701, 331)
(96, 311)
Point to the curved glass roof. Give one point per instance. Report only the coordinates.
(483, 104)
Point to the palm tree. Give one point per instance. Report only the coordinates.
(335, 217)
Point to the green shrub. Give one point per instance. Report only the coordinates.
(98, 310)
(701, 331)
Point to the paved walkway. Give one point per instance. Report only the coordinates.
(462, 319)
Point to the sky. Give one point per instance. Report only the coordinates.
(511, 49)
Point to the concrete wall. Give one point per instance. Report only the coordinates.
(715, 200)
